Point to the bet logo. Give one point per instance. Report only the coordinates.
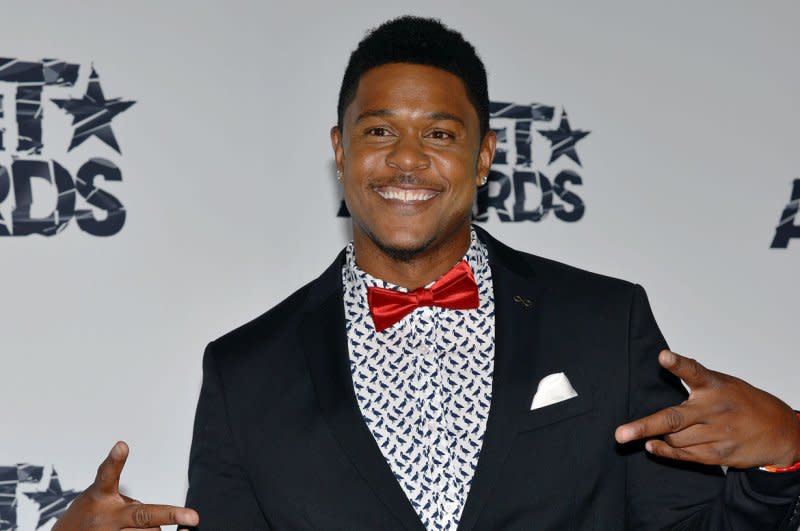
(43, 186)
(29, 498)
(787, 228)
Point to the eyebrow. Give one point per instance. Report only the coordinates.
(386, 113)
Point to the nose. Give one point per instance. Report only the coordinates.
(408, 155)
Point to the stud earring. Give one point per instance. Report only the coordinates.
(339, 175)
(483, 180)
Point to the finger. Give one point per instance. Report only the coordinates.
(107, 479)
(689, 370)
(707, 454)
(693, 436)
(133, 500)
(669, 420)
(148, 515)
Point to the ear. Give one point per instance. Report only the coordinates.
(486, 154)
(338, 147)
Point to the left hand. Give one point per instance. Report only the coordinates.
(102, 507)
(725, 421)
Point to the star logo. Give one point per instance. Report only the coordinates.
(563, 140)
(52, 502)
(92, 114)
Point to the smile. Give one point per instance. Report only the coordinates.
(406, 195)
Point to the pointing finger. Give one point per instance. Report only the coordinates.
(109, 471)
(132, 500)
(667, 420)
(687, 369)
(148, 515)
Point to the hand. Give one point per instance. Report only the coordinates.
(725, 421)
(101, 507)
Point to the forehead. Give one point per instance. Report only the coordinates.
(411, 89)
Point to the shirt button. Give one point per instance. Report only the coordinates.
(432, 426)
(450, 506)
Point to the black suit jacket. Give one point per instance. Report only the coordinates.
(279, 441)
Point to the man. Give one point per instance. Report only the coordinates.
(407, 387)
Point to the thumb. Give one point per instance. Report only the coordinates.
(107, 479)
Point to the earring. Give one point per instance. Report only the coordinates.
(339, 175)
(483, 180)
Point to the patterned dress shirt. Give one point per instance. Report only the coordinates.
(424, 386)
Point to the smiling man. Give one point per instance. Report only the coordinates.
(433, 378)
(410, 151)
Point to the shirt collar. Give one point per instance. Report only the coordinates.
(476, 256)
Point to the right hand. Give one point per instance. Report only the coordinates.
(101, 507)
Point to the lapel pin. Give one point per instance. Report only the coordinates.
(525, 302)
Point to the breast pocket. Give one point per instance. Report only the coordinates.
(558, 412)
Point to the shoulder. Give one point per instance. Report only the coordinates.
(274, 321)
(566, 278)
(557, 277)
(275, 331)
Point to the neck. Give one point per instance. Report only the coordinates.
(421, 269)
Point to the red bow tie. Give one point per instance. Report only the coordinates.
(456, 290)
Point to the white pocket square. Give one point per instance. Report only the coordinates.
(553, 388)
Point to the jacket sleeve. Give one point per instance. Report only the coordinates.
(668, 494)
(219, 489)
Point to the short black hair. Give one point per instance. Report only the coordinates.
(423, 41)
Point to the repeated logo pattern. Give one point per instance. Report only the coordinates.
(47, 95)
(787, 229)
(424, 388)
(29, 498)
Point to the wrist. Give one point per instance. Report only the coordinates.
(794, 464)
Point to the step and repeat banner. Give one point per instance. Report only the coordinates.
(166, 175)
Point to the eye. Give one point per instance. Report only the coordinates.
(378, 131)
(439, 134)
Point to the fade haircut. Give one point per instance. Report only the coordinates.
(422, 41)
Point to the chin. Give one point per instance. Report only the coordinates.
(400, 244)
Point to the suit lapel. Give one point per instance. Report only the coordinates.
(515, 343)
(325, 345)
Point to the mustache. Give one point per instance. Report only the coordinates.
(404, 179)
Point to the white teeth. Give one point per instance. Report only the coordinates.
(407, 195)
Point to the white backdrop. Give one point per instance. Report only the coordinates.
(230, 197)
